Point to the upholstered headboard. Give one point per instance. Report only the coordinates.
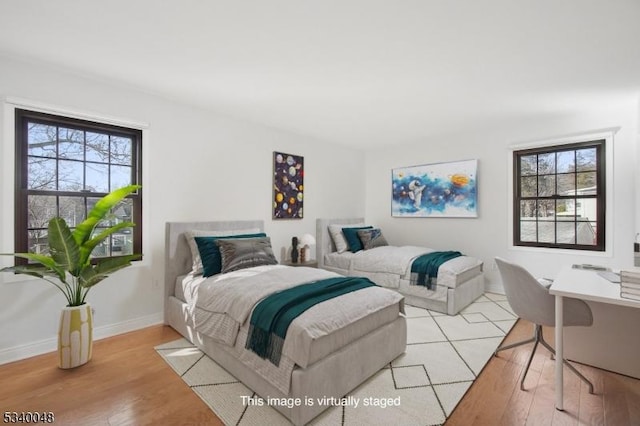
(177, 255)
(324, 244)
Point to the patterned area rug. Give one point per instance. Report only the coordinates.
(444, 356)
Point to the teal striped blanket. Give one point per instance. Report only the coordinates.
(424, 269)
(273, 315)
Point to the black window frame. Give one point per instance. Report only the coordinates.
(600, 196)
(22, 119)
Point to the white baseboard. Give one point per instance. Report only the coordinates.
(40, 347)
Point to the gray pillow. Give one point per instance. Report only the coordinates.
(372, 238)
(245, 253)
(196, 266)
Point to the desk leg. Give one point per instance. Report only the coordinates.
(559, 353)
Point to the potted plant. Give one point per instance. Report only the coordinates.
(70, 267)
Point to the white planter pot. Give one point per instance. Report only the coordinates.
(75, 336)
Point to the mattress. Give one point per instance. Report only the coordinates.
(438, 292)
(457, 271)
(388, 265)
(339, 260)
(310, 339)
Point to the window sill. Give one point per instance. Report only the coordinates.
(9, 278)
(586, 253)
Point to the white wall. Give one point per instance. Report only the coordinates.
(198, 165)
(487, 236)
(637, 182)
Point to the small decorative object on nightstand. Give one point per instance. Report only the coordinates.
(306, 241)
(294, 250)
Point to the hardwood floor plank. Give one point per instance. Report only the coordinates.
(519, 403)
(616, 409)
(499, 374)
(126, 382)
(484, 403)
(591, 410)
(517, 408)
(572, 393)
(632, 393)
(543, 393)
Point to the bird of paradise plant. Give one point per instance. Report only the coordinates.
(69, 265)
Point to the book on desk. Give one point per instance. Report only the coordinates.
(630, 285)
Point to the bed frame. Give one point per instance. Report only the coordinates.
(333, 376)
(456, 298)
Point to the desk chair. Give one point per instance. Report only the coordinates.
(530, 300)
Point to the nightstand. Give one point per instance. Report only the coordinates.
(308, 263)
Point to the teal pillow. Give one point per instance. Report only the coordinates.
(210, 253)
(353, 241)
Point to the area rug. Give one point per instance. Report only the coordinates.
(421, 387)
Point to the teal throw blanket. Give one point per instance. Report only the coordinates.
(424, 269)
(273, 315)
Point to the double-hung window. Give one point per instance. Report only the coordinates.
(63, 167)
(559, 196)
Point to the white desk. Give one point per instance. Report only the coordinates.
(585, 285)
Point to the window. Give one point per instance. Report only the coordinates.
(559, 196)
(63, 167)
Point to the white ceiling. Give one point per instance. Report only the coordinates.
(361, 72)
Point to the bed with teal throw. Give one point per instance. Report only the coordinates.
(424, 269)
(271, 317)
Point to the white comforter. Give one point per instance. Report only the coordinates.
(222, 306)
(397, 260)
(390, 259)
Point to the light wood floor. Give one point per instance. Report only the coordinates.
(495, 397)
(127, 383)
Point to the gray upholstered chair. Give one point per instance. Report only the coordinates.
(530, 300)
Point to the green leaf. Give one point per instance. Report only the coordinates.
(83, 231)
(64, 249)
(38, 272)
(87, 248)
(47, 261)
(70, 252)
(41, 272)
(88, 275)
(92, 275)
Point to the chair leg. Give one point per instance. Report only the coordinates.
(535, 339)
(539, 338)
(526, 369)
(571, 367)
(584, 379)
(546, 345)
(513, 345)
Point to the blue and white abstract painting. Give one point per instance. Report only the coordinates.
(436, 190)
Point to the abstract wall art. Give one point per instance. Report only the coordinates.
(288, 186)
(435, 190)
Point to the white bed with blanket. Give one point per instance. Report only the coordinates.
(329, 349)
(459, 281)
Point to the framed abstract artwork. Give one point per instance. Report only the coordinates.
(435, 190)
(288, 186)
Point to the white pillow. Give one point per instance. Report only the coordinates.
(337, 236)
(196, 262)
